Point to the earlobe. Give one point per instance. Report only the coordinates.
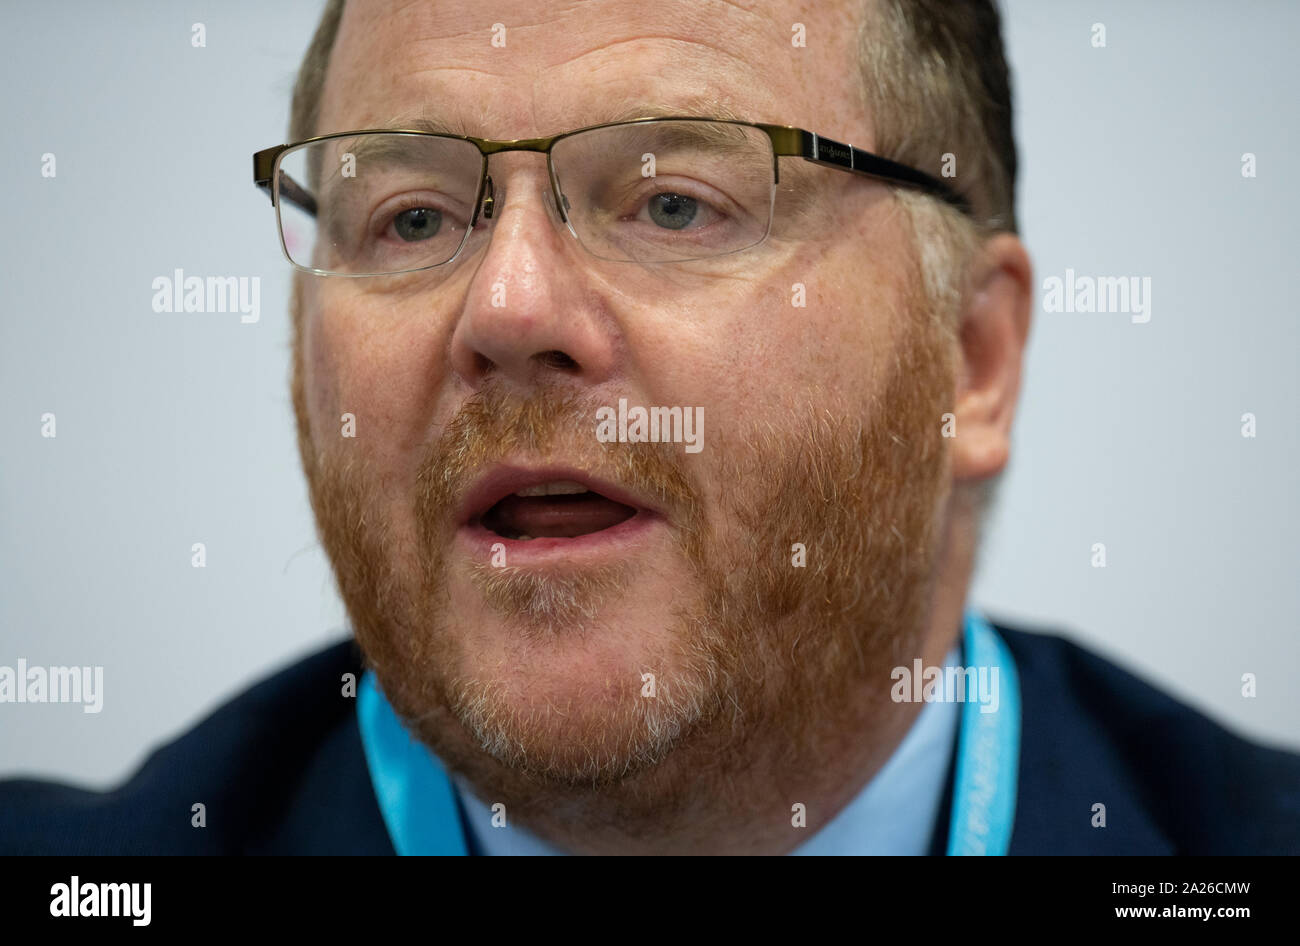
(994, 328)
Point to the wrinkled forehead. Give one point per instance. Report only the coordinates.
(509, 69)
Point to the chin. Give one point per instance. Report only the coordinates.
(588, 701)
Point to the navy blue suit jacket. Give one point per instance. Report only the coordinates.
(280, 770)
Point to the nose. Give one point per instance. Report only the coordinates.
(488, 205)
(530, 312)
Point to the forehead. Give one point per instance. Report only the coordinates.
(509, 69)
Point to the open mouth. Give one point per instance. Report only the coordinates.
(559, 509)
(525, 505)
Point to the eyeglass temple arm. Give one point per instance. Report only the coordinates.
(835, 154)
(290, 190)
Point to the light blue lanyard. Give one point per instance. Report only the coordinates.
(988, 750)
(414, 794)
(418, 802)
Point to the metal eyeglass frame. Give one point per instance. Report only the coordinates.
(786, 140)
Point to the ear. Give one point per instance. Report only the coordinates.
(993, 331)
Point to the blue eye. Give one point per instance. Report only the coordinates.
(673, 211)
(417, 223)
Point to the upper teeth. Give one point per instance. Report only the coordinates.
(556, 488)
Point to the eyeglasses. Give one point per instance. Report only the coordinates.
(650, 190)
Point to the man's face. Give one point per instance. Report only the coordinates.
(527, 661)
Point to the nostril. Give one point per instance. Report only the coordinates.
(556, 359)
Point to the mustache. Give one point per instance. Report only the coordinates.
(547, 425)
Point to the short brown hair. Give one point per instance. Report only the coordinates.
(937, 83)
(305, 112)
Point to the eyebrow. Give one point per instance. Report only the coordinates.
(398, 151)
(695, 107)
(800, 187)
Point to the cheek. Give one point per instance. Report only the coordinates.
(318, 375)
(370, 361)
(817, 333)
(820, 324)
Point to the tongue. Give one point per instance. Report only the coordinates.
(555, 516)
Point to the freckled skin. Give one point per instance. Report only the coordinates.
(404, 358)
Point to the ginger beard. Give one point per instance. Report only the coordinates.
(765, 664)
